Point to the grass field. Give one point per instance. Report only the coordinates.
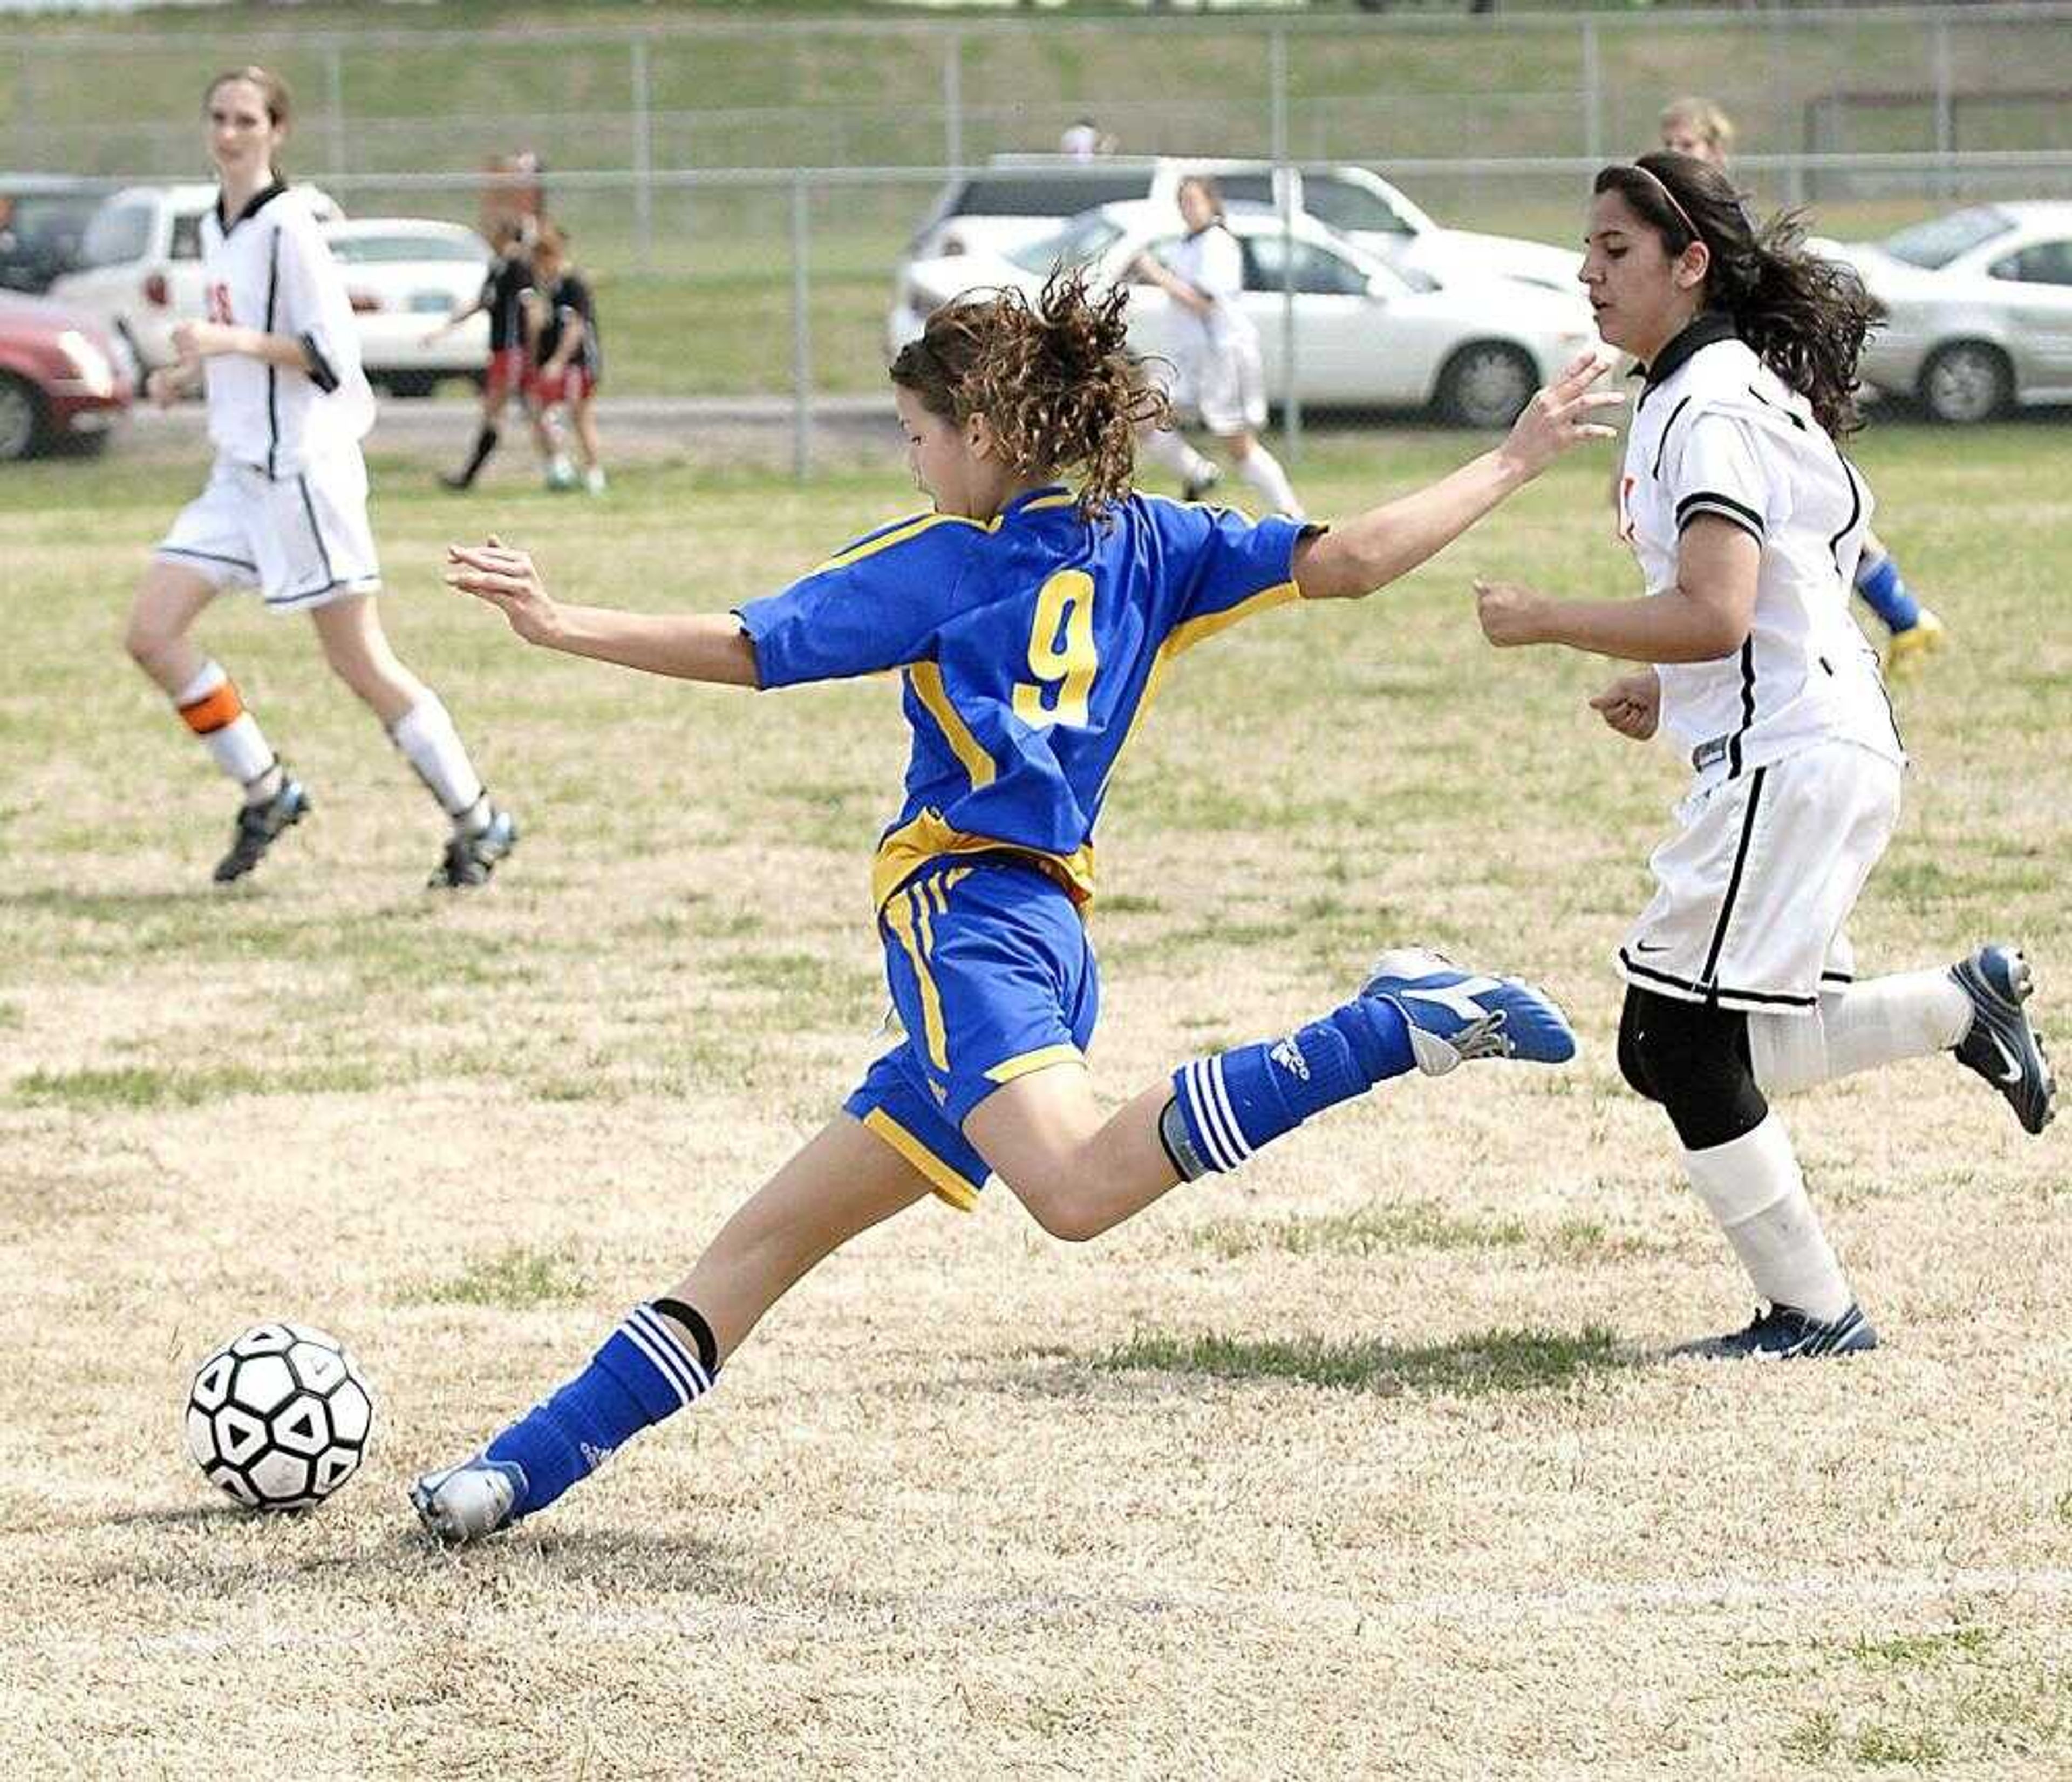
(1359, 1464)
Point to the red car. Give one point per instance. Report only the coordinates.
(60, 379)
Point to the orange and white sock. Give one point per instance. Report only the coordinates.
(209, 706)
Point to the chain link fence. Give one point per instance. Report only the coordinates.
(744, 189)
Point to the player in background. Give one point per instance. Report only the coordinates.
(1032, 625)
(1221, 381)
(1084, 140)
(568, 359)
(1746, 520)
(503, 296)
(1698, 127)
(285, 506)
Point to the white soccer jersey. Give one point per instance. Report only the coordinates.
(1715, 432)
(268, 269)
(1212, 261)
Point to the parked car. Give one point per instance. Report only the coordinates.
(405, 275)
(140, 264)
(1021, 199)
(60, 379)
(1368, 335)
(1978, 310)
(41, 223)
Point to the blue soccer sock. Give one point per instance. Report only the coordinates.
(1224, 1107)
(1883, 589)
(643, 1373)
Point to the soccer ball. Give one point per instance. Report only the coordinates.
(279, 1418)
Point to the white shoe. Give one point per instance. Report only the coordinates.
(464, 1503)
(595, 481)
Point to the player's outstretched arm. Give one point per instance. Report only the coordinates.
(696, 646)
(1358, 556)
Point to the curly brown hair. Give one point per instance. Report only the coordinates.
(1806, 317)
(1054, 379)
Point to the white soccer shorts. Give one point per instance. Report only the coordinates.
(1753, 895)
(303, 540)
(1226, 389)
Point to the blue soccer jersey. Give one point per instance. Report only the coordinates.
(1030, 645)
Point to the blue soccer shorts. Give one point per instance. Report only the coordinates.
(993, 977)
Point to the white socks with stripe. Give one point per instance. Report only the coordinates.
(210, 706)
(1880, 1021)
(1753, 1186)
(426, 735)
(1262, 470)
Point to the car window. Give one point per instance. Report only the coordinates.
(387, 250)
(1084, 240)
(1346, 206)
(47, 224)
(1937, 242)
(1045, 193)
(186, 236)
(1317, 270)
(117, 234)
(1246, 188)
(2040, 263)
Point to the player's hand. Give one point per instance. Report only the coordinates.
(507, 580)
(193, 341)
(1632, 705)
(1558, 418)
(1511, 615)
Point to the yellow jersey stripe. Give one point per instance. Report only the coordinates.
(914, 844)
(947, 1185)
(926, 678)
(898, 535)
(1041, 1059)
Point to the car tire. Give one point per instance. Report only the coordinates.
(1965, 382)
(410, 385)
(22, 422)
(1484, 385)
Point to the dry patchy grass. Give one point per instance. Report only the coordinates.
(1359, 1464)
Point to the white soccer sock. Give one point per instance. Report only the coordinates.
(1164, 446)
(210, 706)
(425, 734)
(1908, 1014)
(1753, 1186)
(1262, 470)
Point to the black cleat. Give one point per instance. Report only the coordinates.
(1780, 1333)
(469, 858)
(1194, 488)
(2000, 1045)
(257, 826)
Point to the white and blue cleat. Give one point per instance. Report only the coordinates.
(464, 1503)
(2000, 1044)
(1454, 1015)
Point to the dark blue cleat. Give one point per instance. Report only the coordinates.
(1455, 1015)
(1782, 1334)
(2000, 1045)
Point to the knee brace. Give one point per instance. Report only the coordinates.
(1692, 1058)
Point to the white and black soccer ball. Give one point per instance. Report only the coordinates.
(279, 1418)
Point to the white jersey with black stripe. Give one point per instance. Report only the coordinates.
(1717, 432)
(268, 268)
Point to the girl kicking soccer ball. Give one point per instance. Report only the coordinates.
(1747, 521)
(1031, 624)
(285, 507)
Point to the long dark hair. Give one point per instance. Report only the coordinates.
(1804, 317)
(1053, 378)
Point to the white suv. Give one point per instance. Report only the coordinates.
(140, 264)
(1016, 199)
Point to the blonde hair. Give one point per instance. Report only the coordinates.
(1703, 119)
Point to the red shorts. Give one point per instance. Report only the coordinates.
(571, 383)
(505, 373)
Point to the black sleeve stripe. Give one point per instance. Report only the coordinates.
(1716, 507)
(1715, 498)
(321, 373)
